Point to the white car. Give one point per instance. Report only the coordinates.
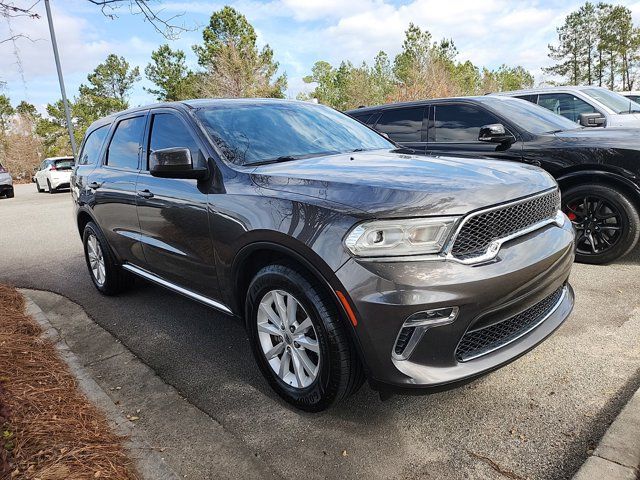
(53, 174)
(6, 183)
(587, 105)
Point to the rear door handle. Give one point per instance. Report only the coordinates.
(145, 193)
(94, 185)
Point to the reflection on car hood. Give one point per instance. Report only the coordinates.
(603, 137)
(384, 183)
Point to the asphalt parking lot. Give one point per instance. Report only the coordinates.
(536, 418)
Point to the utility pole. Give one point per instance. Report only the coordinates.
(65, 103)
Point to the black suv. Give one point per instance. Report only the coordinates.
(598, 169)
(345, 256)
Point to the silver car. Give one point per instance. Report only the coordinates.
(587, 105)
(6, 183)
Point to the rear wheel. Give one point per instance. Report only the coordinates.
(299, 340)
(107, 276)
(606, 222)
(51, 190)
(10, 193)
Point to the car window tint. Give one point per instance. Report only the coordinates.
(460, 123)
(402, 124)
(92, 146)
(362, 117)
(529, 98)
(125, 144)
(565, 104)
(168, 131)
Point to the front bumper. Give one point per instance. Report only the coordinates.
(526, 271)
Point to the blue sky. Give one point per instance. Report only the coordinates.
(488, 32)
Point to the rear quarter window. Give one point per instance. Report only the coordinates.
(92, 146)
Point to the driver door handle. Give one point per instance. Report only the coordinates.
(146, 193)
(94, 185)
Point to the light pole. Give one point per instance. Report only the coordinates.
(65, 103)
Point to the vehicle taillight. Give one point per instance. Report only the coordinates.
(2, 169)
(53, 167)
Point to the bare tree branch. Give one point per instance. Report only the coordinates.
(9, 9)
(165, 26)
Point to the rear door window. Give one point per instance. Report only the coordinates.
(565, 104)
(125, 144)
(402, 124)
(529, 98)
(92, 147)
(455, 123)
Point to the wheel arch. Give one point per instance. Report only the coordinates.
(603, 177)
(252, 257)
(82, 218)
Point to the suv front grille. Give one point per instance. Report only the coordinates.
(478, 231)
(476, 343)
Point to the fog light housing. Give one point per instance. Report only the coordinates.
(416, 325)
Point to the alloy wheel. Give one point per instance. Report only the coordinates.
(288, 339)
(597, 221)
(96, 260)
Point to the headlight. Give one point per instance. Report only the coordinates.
(418, 236)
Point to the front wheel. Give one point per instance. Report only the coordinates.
(40, 190)
(51, 190)
(107, 276)
(606, 222)
(299, 340)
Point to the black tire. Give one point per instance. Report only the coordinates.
(40, 190)
(10, 193)
(339, 372)
(614, 236)
(51, 190)
(116, 279)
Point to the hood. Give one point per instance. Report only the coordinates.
(388, 184)
(603, 137)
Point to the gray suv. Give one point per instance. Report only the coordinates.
(347, 257)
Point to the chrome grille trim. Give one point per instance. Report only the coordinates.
(491, 246)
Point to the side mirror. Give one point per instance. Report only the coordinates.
(495, 133)
(592, 120)
(174, 163)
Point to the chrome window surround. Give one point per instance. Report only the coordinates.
(493, 248)
(418, 333)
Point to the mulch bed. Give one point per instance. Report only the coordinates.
(48, 429)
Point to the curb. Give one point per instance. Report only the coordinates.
(617, 456)
(148, 463)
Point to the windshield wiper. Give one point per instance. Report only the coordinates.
(283, 158)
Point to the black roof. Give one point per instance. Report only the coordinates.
(420, 103)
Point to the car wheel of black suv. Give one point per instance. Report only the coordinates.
(607, 223)
(107, 276)
(299, 340)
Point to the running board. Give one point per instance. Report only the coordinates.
(176, 288)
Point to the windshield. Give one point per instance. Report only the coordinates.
(613, 100)
(66, 164)
(261, 132)
(530, 117)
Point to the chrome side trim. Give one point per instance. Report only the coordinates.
(522, 334)
(176, 288)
